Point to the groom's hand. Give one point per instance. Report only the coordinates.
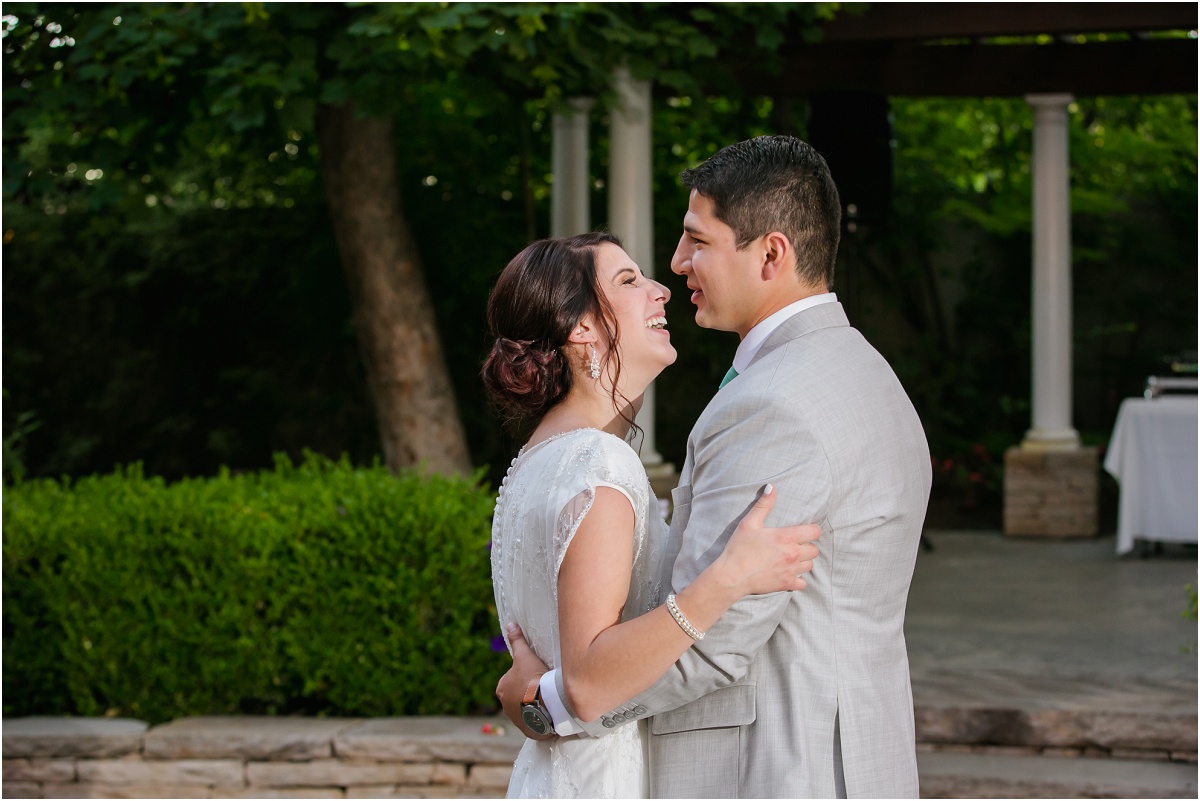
(511, 688)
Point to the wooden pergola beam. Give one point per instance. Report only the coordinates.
(925, 21)
(1156, 66)
(951, 50)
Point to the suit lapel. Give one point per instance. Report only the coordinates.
(825, 315)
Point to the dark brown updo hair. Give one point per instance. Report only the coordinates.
(538, 300)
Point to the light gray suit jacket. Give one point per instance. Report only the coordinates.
(804, 694)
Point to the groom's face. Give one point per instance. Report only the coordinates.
(723, 279)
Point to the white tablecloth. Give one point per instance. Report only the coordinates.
(1152, 454)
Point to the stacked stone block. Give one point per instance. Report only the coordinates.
(1051, 493)
(257, 757)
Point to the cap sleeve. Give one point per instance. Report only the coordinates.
(600, 460)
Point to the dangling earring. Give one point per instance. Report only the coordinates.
(595, 362)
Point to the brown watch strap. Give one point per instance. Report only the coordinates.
(532, 690)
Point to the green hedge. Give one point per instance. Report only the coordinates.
(321, 589)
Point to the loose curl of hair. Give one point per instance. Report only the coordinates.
(536, 303)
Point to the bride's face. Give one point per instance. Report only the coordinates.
(639, 307)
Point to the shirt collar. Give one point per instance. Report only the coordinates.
(754, 340)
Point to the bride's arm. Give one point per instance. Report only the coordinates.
(604, 661)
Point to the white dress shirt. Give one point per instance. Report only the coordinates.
(748, 348)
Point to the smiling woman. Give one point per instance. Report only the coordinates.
(638, 303)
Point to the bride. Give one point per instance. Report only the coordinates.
(577, 541)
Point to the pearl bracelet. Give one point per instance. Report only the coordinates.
(681, 619)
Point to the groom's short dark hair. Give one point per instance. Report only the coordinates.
(776, 183)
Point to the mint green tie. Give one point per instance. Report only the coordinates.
(732, 374)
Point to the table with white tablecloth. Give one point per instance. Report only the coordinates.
(1152, 454)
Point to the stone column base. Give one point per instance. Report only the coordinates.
(663, 478)
(1051, 493)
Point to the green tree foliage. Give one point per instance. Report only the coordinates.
(128, 118)
(133, 129)
(187, 100)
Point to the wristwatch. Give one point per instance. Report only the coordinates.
(532, 711)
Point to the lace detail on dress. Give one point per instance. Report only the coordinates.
(548, 491)
(572, 767)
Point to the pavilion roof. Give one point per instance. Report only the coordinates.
(992, 49)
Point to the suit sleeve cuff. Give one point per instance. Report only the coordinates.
(564, 724)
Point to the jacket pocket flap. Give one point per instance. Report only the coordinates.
(729, 706)
(681, 496)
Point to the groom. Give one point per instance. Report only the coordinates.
(802, 694)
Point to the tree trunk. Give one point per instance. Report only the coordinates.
(393, 315)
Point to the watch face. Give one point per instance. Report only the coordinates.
(535, 719)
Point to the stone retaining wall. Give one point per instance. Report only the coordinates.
(280, 757)
(1095, 733)
(258, 757)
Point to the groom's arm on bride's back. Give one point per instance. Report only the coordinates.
(604, 659)
(756, 441)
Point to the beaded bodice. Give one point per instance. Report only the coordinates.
(545, 495)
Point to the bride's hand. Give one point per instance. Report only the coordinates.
(760, 560)
(510, 690)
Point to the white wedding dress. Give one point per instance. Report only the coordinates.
(548, 490)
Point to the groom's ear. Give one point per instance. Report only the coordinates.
(778, 255)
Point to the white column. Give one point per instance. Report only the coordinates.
(631, 211)
(1051, 418)
(569, 195)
